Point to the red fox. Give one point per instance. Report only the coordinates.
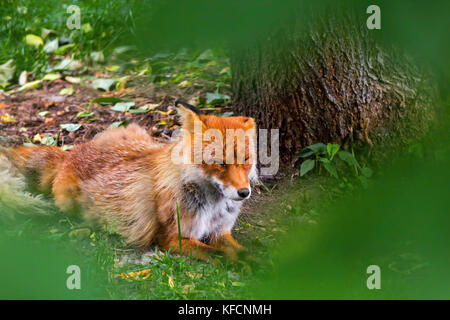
(125, 178)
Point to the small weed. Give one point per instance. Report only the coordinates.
(324, 156)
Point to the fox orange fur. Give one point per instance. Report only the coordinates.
(125, 178)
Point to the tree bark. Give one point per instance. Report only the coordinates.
(330, 83)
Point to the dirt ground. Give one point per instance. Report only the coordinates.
(41, 111)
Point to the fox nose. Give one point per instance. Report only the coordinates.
(243, 192)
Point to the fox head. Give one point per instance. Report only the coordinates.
(220, 149)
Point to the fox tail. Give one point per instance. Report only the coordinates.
(24, 169)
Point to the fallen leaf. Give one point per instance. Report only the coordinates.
(66, 91)
(7, 118)
(37, 138)
(104, 84)
(118, 124)
(51, 46)
(68, 64)
(32, 84)
(66, 147)
(34, 40)
(23, 78)
(70, 127)
(51, 76)
(84, 114)
(170, 282)
(48, 141)
(97, 56)
(106, 100)
(216, 98)
(64, 49)
(73, 79)
(122, 106)
(7, 72)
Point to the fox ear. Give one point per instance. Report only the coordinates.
(249, 123)
(189, 115)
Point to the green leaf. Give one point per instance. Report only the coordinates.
(66, 92)
(66, 147)
(140, 110)
(122, 106)
(68, 64)
(366, 172)
(118, 124)
(329, 166)
(106, 100)
(307, 166)
(305, 152)
(318, 148)
(70, 127)
(104, 84)
(51, 76)
(32, 84)
(64, 49)
(84, 114)
(48, 141)
(349, 158)
(216, 98)
(332, 148)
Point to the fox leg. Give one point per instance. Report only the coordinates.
(228, 245)
(66, 192)
(189, 247)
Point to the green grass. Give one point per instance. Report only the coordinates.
(110, 262)
(110, 23)
(102, 253)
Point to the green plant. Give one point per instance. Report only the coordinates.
(324, 156)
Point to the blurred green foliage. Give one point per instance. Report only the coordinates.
(37, 269)
(400, 224)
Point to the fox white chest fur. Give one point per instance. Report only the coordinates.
(212, 212)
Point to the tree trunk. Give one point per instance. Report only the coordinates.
(330, 83)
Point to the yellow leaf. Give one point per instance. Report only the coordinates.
(37, 138)
(7, 118)
(146, 277)
(34, 40)
(170, 281)
(184, 84)
(51, 76)
(187, 288)
(145, 271)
